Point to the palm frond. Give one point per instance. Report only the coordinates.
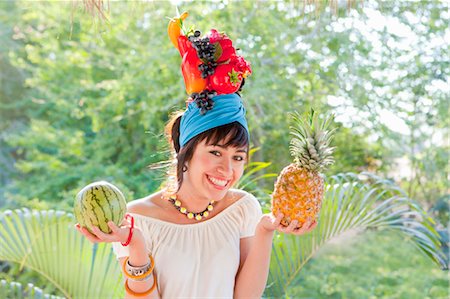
(253, 173)
(18, 291)
(354, 202)
(46, 242)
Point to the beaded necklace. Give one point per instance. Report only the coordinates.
(197, 216)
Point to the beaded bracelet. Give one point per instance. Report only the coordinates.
(133, 293)
(136, 271)
(130, 234)
(138, 277)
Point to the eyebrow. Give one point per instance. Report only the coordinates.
(224, 147)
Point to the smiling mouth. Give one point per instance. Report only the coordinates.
(217, 182)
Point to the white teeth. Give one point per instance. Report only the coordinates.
(218, 182)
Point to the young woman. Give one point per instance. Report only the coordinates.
(199, 237)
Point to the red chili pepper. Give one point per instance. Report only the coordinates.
(183, 45)
(189, 67)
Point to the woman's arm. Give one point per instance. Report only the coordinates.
(255, 259)
(138, 255)
(255, 255)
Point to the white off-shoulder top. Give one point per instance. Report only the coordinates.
(198, 260)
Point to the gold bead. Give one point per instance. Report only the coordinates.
(210, 208)
(198, 217)
(173, 197)
(205, 214)
(177, 203)
(190, 215)
(183, 210)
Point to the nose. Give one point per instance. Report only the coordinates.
(225, 167)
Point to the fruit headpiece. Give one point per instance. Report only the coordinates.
(212, 73)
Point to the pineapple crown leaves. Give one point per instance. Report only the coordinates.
(310, 145)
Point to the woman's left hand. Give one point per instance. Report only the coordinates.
(271, 223)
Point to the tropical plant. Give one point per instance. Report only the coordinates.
(18, 291)
(255, 172)
(46, 241)
(354, 202)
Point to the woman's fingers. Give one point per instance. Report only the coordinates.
(97, 235)
(125, 222)
(306, 225)
(115, 229)
(304, 228)
(293, 228)
(313, 225)
(111, 237)
(87, 234)
(278, 219)
(119, 233)
(290, 228)
(269, 222)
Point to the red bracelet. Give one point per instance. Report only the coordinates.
(130, 235)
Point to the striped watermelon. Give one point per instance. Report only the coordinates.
(98, 203)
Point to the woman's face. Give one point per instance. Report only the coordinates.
(214, 169)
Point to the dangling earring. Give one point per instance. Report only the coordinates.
(184, 169)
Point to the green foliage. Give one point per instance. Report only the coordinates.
(18, 291)
(254, 173)
(89, 116)
(84, 99)
(94, 97)
(47, 242)
(355, 153)
(353, 202)
(357, 266)
(14, 273)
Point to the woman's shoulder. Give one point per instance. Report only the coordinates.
(241, 196)
(150, 205)
(238, 194)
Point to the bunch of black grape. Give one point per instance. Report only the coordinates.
(205, 51)
(204, 100)
(207, 69)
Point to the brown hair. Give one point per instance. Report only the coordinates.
(234, 134)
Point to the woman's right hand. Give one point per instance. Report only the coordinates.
(118, 234)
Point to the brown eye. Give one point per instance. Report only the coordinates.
(215, 153)
(239, 158)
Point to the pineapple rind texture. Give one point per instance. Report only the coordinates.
(298, 194)
(299, 188)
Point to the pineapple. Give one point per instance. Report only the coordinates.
(299, 188)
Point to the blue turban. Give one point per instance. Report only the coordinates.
(227, 108)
